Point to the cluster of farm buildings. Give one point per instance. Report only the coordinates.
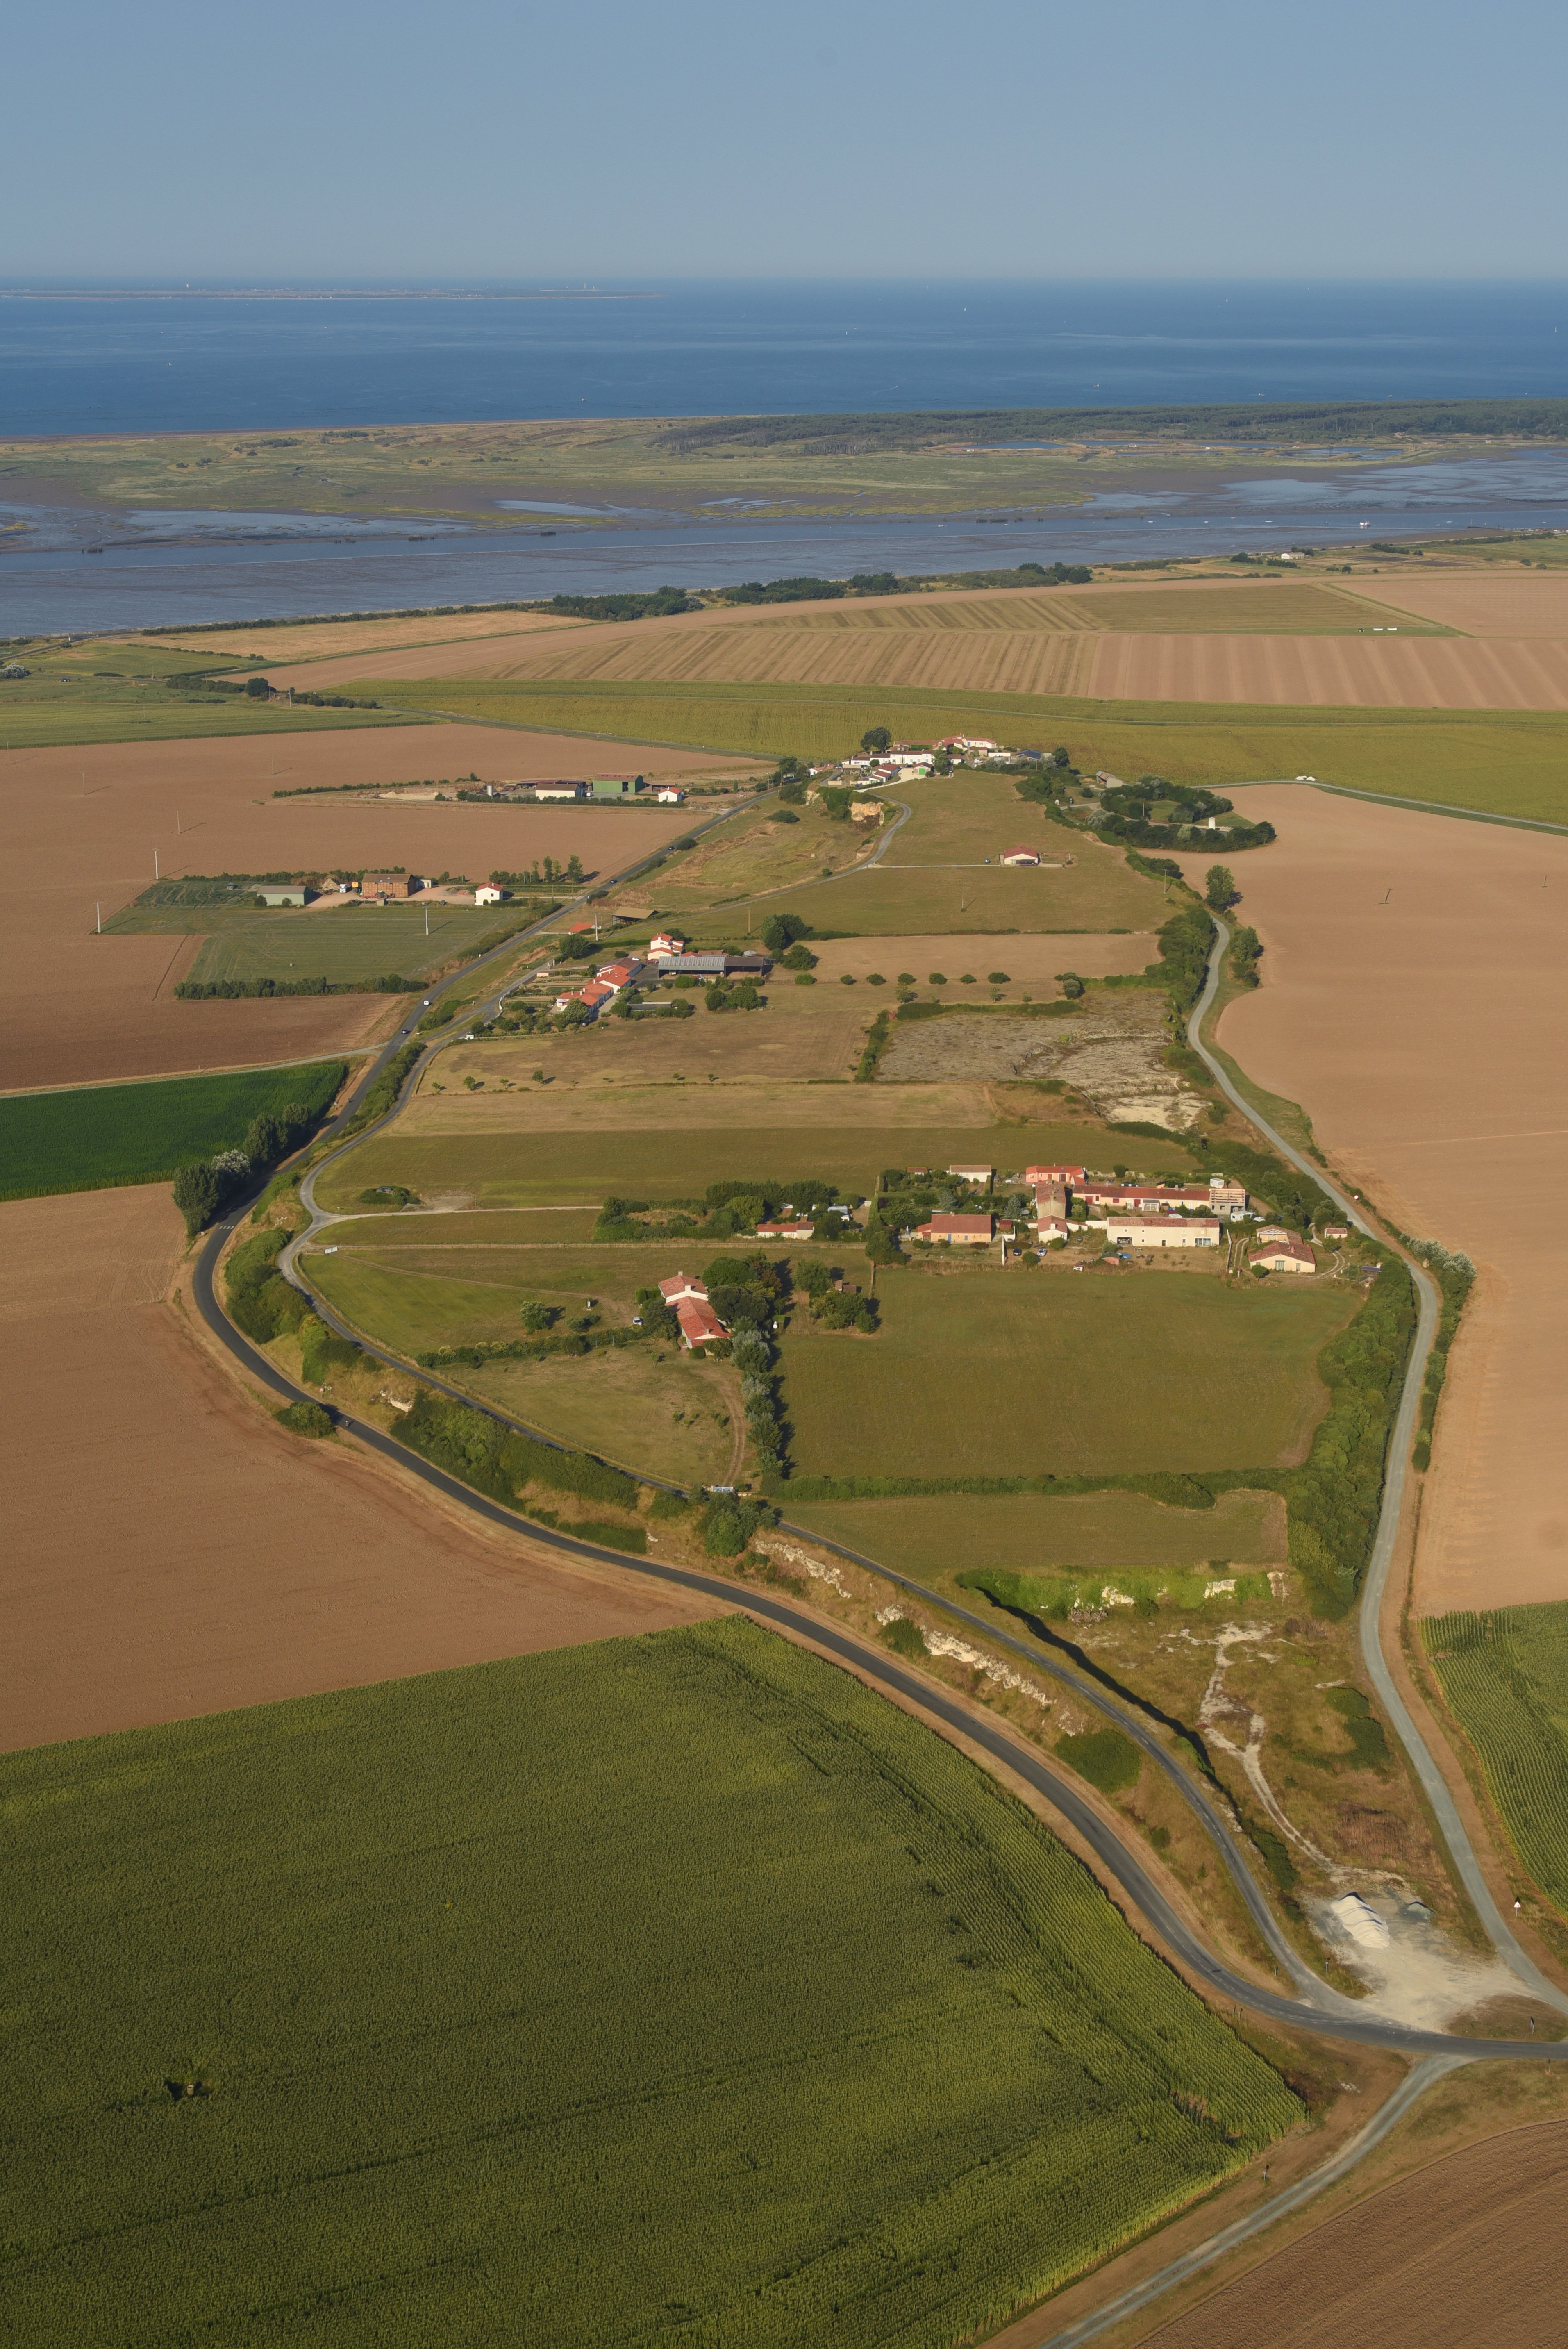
(600, 787)
(667, 958)
(1131, 1213)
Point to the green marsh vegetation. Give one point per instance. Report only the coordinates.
(839, 2042)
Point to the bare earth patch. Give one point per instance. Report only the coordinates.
(1112, 1052)
(1482, 603)
(170, 1551)
(1412, 1001)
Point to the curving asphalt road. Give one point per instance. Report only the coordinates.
(1318, 2007)
(1432, 1783)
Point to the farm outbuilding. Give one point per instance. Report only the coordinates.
(285, 893)
(957, 1231)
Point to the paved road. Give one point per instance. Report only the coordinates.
(1317, 2006)
(1433, 1784)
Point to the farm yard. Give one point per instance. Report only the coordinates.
(986, 1373)
(106, 1135)
(881, 2054)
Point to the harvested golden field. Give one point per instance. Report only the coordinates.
(1275, 607)
(1008, 660)
(1412, 1001)
(190, 1555)
(1479, 603)
(1030, 963)
(312, 640)
(82, 827)
(1349, 672)
(1469, 2253)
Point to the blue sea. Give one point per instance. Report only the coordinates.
(176, 360)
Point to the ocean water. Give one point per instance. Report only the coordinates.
(184, 362)
(179, 364)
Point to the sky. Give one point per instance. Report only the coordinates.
(341, 142)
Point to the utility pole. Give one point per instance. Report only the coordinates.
(98, 911)
(155, 874)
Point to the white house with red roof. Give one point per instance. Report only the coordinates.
(687, 1299)
(1024, 855)
(802, 1230)
(666, 942)
(1288, 1254)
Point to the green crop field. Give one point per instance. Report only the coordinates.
(1506, 1677)
(675, 1161)
(1505, 763)
(671, 1988)
(657, 1412)
(346, 943)
(935, 1539)
(37, 710)
(993, 1373)
(103, 1136)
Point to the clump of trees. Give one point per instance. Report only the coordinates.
(202, 1189)
(1220, 890)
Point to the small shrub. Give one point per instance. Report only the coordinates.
(904, 1639)
(304, 1419)
(1104, 1757)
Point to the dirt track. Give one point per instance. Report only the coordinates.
(1469, 2253)
(1366, 672)
(171, 1552)
(1425, 1036)
(82, 825)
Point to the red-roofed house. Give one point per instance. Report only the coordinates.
(1021, 856)
(1284, 1256)
(666, 942)
(624, 971)
(681, 1285)
(797, 1231)
(957, 1231)
(1058, 1178)
(700, 1325)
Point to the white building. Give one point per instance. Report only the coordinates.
(1163, 1231)
(487, 895)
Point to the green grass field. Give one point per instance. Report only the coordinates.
(346, 944)
(993, 1373)
(583, 1166)
(103, 1136)
(658, 1414)
(1506, 762)
(673, 1987)
(38, 711)
(1506, 1677)
(899, 900)
(936, 1539)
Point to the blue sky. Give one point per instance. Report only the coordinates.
(340, 141)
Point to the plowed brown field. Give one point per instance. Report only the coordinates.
(82, 825)
(170, 1551)
(1469, 2253)
(1350, 672)
(1480, 603)
(1413, 1003)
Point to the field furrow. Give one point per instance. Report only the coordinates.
(1346, 672)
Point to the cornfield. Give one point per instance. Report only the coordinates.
(1506, 1677)
(675, 1989)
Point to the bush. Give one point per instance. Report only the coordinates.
(904, 1639)
(259, 1301)
(1104, 1757)
(304, 1419)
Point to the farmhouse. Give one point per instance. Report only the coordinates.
(1336, 1231)
(957, 1231)
(666, 942)
(625, 971)
(689, 1301)
(1162, 1232)
(285, 893)
(1020, 856)
(386, 884)
(487, 895)
(1052, 1228)
(793, 1231)
(668, 796)
(1282, 1256)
